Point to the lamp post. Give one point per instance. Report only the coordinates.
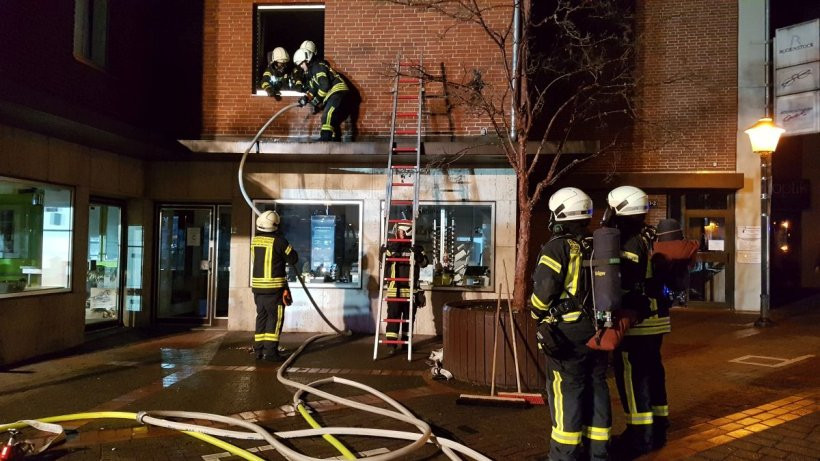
(764, 136)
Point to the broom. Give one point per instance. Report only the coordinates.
(535, 399)
(493, 400)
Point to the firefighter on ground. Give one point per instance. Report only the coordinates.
(326, 91)
(401, 289)
(279, 74)
(639, 373)
(270, 252)
(562, 306)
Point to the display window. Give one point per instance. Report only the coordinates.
(326, 236)
(458, 240)
(36, 230)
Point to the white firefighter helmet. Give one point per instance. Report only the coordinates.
(307, 45)
(280, 55)
(570, 204)
(628, 201)
(404, 227)
(267, 221)
(301, 55)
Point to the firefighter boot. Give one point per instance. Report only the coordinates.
(276, 355)
(633, 442)
(660, 424)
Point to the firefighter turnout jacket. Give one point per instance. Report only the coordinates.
(636, 274)
(560, 281)
(321, 82)
(270, 253)
(402, 270)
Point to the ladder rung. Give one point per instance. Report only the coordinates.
(395, 321)
(397, 279)
(408, 97)
(397, 300)
(405, 149)
(405, 221)
(401, 202)
(399, 240)
(405, 184)
(406, 114)
(392, 341)
(400, 132)
(398, 260)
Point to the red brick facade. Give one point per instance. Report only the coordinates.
(362, 39)
(688, 91)
(687, 63)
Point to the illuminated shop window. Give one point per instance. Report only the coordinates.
(35, 237)
(326, 235)
(458, 240)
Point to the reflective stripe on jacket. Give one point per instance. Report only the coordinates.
(270, 253)
(559, 275)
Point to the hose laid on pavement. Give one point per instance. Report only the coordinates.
(256, 432)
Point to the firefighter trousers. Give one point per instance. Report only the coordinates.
(399, 310)
(578, 398)
(335, 112)
(641, 381)
(270, 315)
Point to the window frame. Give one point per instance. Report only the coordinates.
(493, 220)
(259, 204)
(69, 254)
(90, 42)
(258, 51)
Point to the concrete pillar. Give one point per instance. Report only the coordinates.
(752, 44)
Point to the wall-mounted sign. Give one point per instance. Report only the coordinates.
(798, 113)
(794, 194)
(797, 79)
(797, 44)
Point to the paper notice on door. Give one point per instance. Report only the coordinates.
(748, 257)
(748, 239)
(194, 236)
(715, 245)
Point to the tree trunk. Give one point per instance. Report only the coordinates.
(522, 249)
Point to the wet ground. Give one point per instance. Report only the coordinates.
(736, 392)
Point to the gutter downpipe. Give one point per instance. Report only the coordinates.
(515, 76)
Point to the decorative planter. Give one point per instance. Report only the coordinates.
(468, 346)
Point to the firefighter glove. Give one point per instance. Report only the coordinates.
(303, 101)
(287, 299)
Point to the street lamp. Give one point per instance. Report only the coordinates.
(764, 136)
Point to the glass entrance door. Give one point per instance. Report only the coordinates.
(103, 279)
(712, 277)
(193, 257)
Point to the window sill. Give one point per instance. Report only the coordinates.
(285, 94)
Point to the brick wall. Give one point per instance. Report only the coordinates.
(362, 39)
(687, 63)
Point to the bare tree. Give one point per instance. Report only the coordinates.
(573, 80)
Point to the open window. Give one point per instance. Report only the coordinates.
(286, 26)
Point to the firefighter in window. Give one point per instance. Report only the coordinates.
(400, 290)
(279, 74)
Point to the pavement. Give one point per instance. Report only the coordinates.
(736, 392)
